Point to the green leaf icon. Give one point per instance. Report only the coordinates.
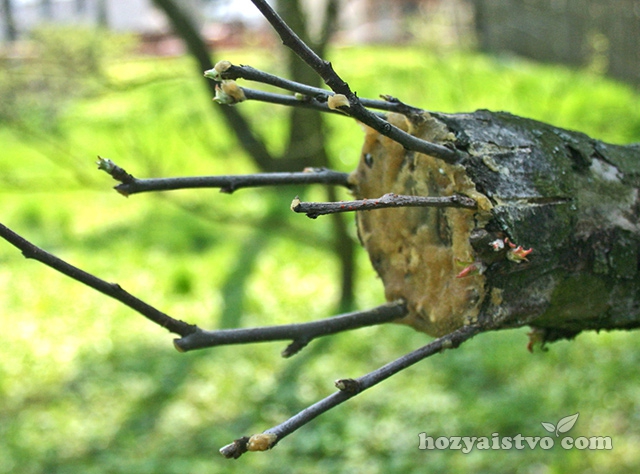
(550, 427)
(566, 423)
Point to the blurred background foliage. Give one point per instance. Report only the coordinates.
(88, 386)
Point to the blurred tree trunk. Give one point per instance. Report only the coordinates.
(185, 27)
(46, 9)
(10, 32)
(103, 14)
(80, 6)
(307, 134)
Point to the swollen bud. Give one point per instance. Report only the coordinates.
(337, 101)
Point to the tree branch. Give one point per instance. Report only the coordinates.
(309, 96)
(287, 100)
(347, 389)
(353, 107)
(301, 333)
(315, 209)
(227, 184)
(110, 289)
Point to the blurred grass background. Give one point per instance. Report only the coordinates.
(89, 386)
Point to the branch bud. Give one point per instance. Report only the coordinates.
(229, 93)
(261, 442)
(337, 101)
(218, 69)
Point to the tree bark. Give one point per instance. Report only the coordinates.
(571, 199)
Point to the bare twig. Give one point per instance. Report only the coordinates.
(315, 209)
(227, 70)
(301, 333)
(110, 289)
(353, 107)
(347, 389)
(196, 338)
(288, 100)
(306, 95)
(227, 184)
(314, 103)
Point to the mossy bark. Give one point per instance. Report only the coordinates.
(573, 200)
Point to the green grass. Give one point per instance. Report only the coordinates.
(88, 386)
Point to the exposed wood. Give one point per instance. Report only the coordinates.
(571, 199)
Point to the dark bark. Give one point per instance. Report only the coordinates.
(571, 199)
(10, 31)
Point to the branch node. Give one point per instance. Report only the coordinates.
(176, 345)
(338, 102)
(117, 173)
(236, 449)
(350, 386)
(446, 344)
(296, 346)
(228, 92)
(218, 69)
(295, 204)
(262, 442)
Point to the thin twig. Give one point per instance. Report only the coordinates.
(306, 101)
(309, 102)
(311, 96)
(252, 74)
(348, 388)
(301, 333)
(334, 81)
(288, 100)
(227, 184)
(315, 209)
(113, 290)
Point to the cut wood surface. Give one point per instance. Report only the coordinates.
(553, 243)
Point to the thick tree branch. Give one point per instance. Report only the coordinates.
(227, 184)
(315, 209)
(348, 389)
(301, 333)
(353, 107)
(110, 289)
